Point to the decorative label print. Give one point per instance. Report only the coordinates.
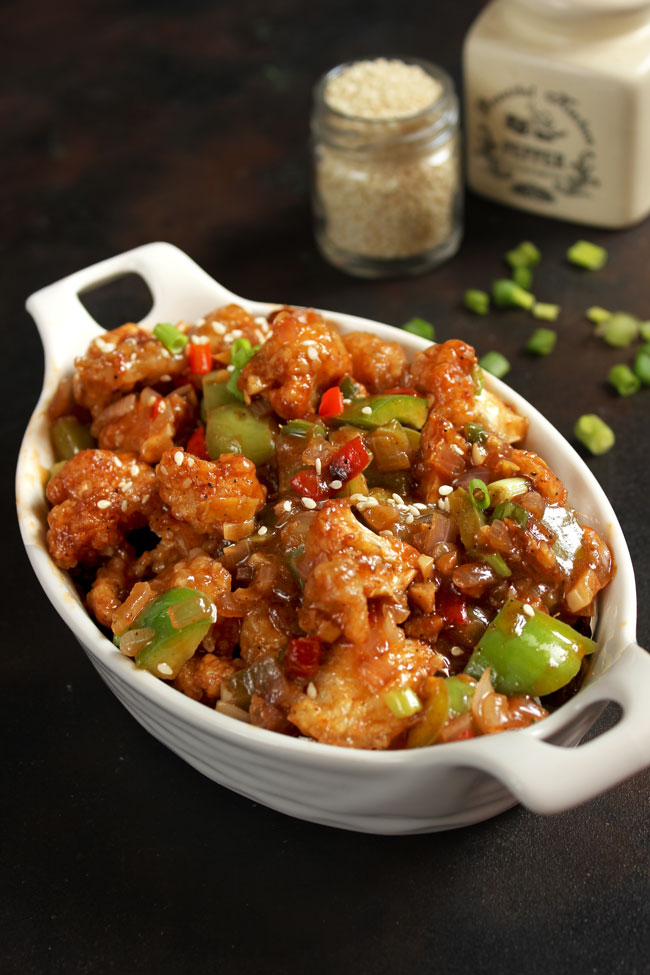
(539, 142)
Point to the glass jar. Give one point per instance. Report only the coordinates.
(557, 108)
(387, 191)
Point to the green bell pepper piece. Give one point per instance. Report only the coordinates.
(215, 393)
(303, 428)
(69, 436)
(171, 647)
(379, 410)
(234, 429)
(528, 652)
(460, 695)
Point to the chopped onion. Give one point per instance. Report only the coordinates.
(233, 531)
(191, 611)
(224, 707)
(134, 641)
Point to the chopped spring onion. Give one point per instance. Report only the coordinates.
(594, 434)
(173, 340)
(619, 330)
(587, 255)
(642, 364)
(525, 254)
(597, 315)
(402, 702)
(475, 433)
(478, 492)
(69, 437)
(523, 276)
(494, 363)
(546, 312)
(477, 301)
(497, 563)
(349, 388)
(644, 329)
(508, 294)
(418, 326)
(509, 509)
(507, 488)
(240, 354)
(624, 381)
(542, 341)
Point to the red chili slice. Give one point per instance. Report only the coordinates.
(200, 357)
(302, 657)
(309, 484)
(348, 461)
(196, 444)
(451, 606)
(331, 403)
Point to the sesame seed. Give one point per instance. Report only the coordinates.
(346, 402)
(103, 504)
(260, 320)
(479, 454)
(144, 500)
(309, 342)
(308, 503)
(165, 669)
(287, 506)
(456, 449)
(445, 489)
(336, 485)
(313, 354)
(117, 462)
(218, 328)
(409, 519)
(230, 367)
(236, 333)
(104, 346)
(178, 457)
(125, 485)
(190, 462)
(366, 409)
(318, 465)
(397, 498)
(443, 504)
(413, 510)
(419, 506)
(312, 692)
(135, 470)
(262, 530)
(200, 321)
(125, 504)
(456, 651)
(166, 378)
(528, 610)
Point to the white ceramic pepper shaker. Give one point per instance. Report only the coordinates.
(386, 185)
(557, 108)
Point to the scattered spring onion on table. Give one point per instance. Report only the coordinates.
(477, 301)
(624, 381)
(542, 341)
(494, 363)
(594, 434)
(526, 254)
(523, 276)
(418, 326)
(619, 330)
(587, 255)
(545, 311)
(508, 294)
(642, 364)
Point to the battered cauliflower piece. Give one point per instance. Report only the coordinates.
(207, 494)
(117, 362)
(147, 424)
(112, 585)
(346, 565)
(346, 710)
(497, 417)
(223, 325)
(377, 364)
(445, 373)
(201, 677)
(98, 498)
(302, 357)
(540, 474)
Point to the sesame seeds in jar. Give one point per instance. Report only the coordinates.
(386, 184)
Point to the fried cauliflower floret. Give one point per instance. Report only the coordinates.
(199, 571)
(98, 497)
(207, 494)
(177, 540)
(540, 474)
(112, 585)
(201, 677)
(223, 325)
(346, 565)
(147, 424)
(498, 417)
(303, 356)
(117, 362)
(377, 364)
(350, 712)
(445, 372)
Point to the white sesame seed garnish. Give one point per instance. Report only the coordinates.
(456, 449)
(445, 489)
(144, 500)
(528, 610)
(308, 503)
(218, 328)
(479, 454)
(318, 465)
(166, 378)
(409, 519)
(262, 530)
(165, 669)
(178, 457)
(104, 346)
(336, 485)
(456, 651)
(346, 402)
(443, 504)
(117, 462)
(366, 409)
(135, 470)
(287, 506)
(190, 461)
(419, 506)
(230, 367)
(312, 691)
(200, 321)
(125, 504)
(309, 342)
(397, 498)
(260, 320)
(103, 504)
(125, 485)
(163, 469)
(236, 333)
(313, 354)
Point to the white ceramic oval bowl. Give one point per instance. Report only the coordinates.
(415, 791)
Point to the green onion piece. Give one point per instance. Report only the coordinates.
(240, 354)
(619, 330)
(418, 326)
(507, 488)
(546, 312)
(590, 256)
(349, 388)
(542, 341)
(644, 330)
(477, 380)
(512, 510)
(494, 363)
(597, 315)
(594, 434)
(477, 301)
(303, 428)
(523, 276)
(642, 365)
(508, 294)
(525, 254)
(475, 433)
(69, 437)
(478, 492)
(497, 563)
(190, 611)
(171, 338)
(402, 702)
(460, 695)
(624, 381)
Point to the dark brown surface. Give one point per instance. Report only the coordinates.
(125, 122)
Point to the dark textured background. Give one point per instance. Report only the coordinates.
(124, 122)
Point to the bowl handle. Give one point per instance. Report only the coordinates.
(550, 778)
(169, 273)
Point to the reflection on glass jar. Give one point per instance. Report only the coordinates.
(386, 184)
